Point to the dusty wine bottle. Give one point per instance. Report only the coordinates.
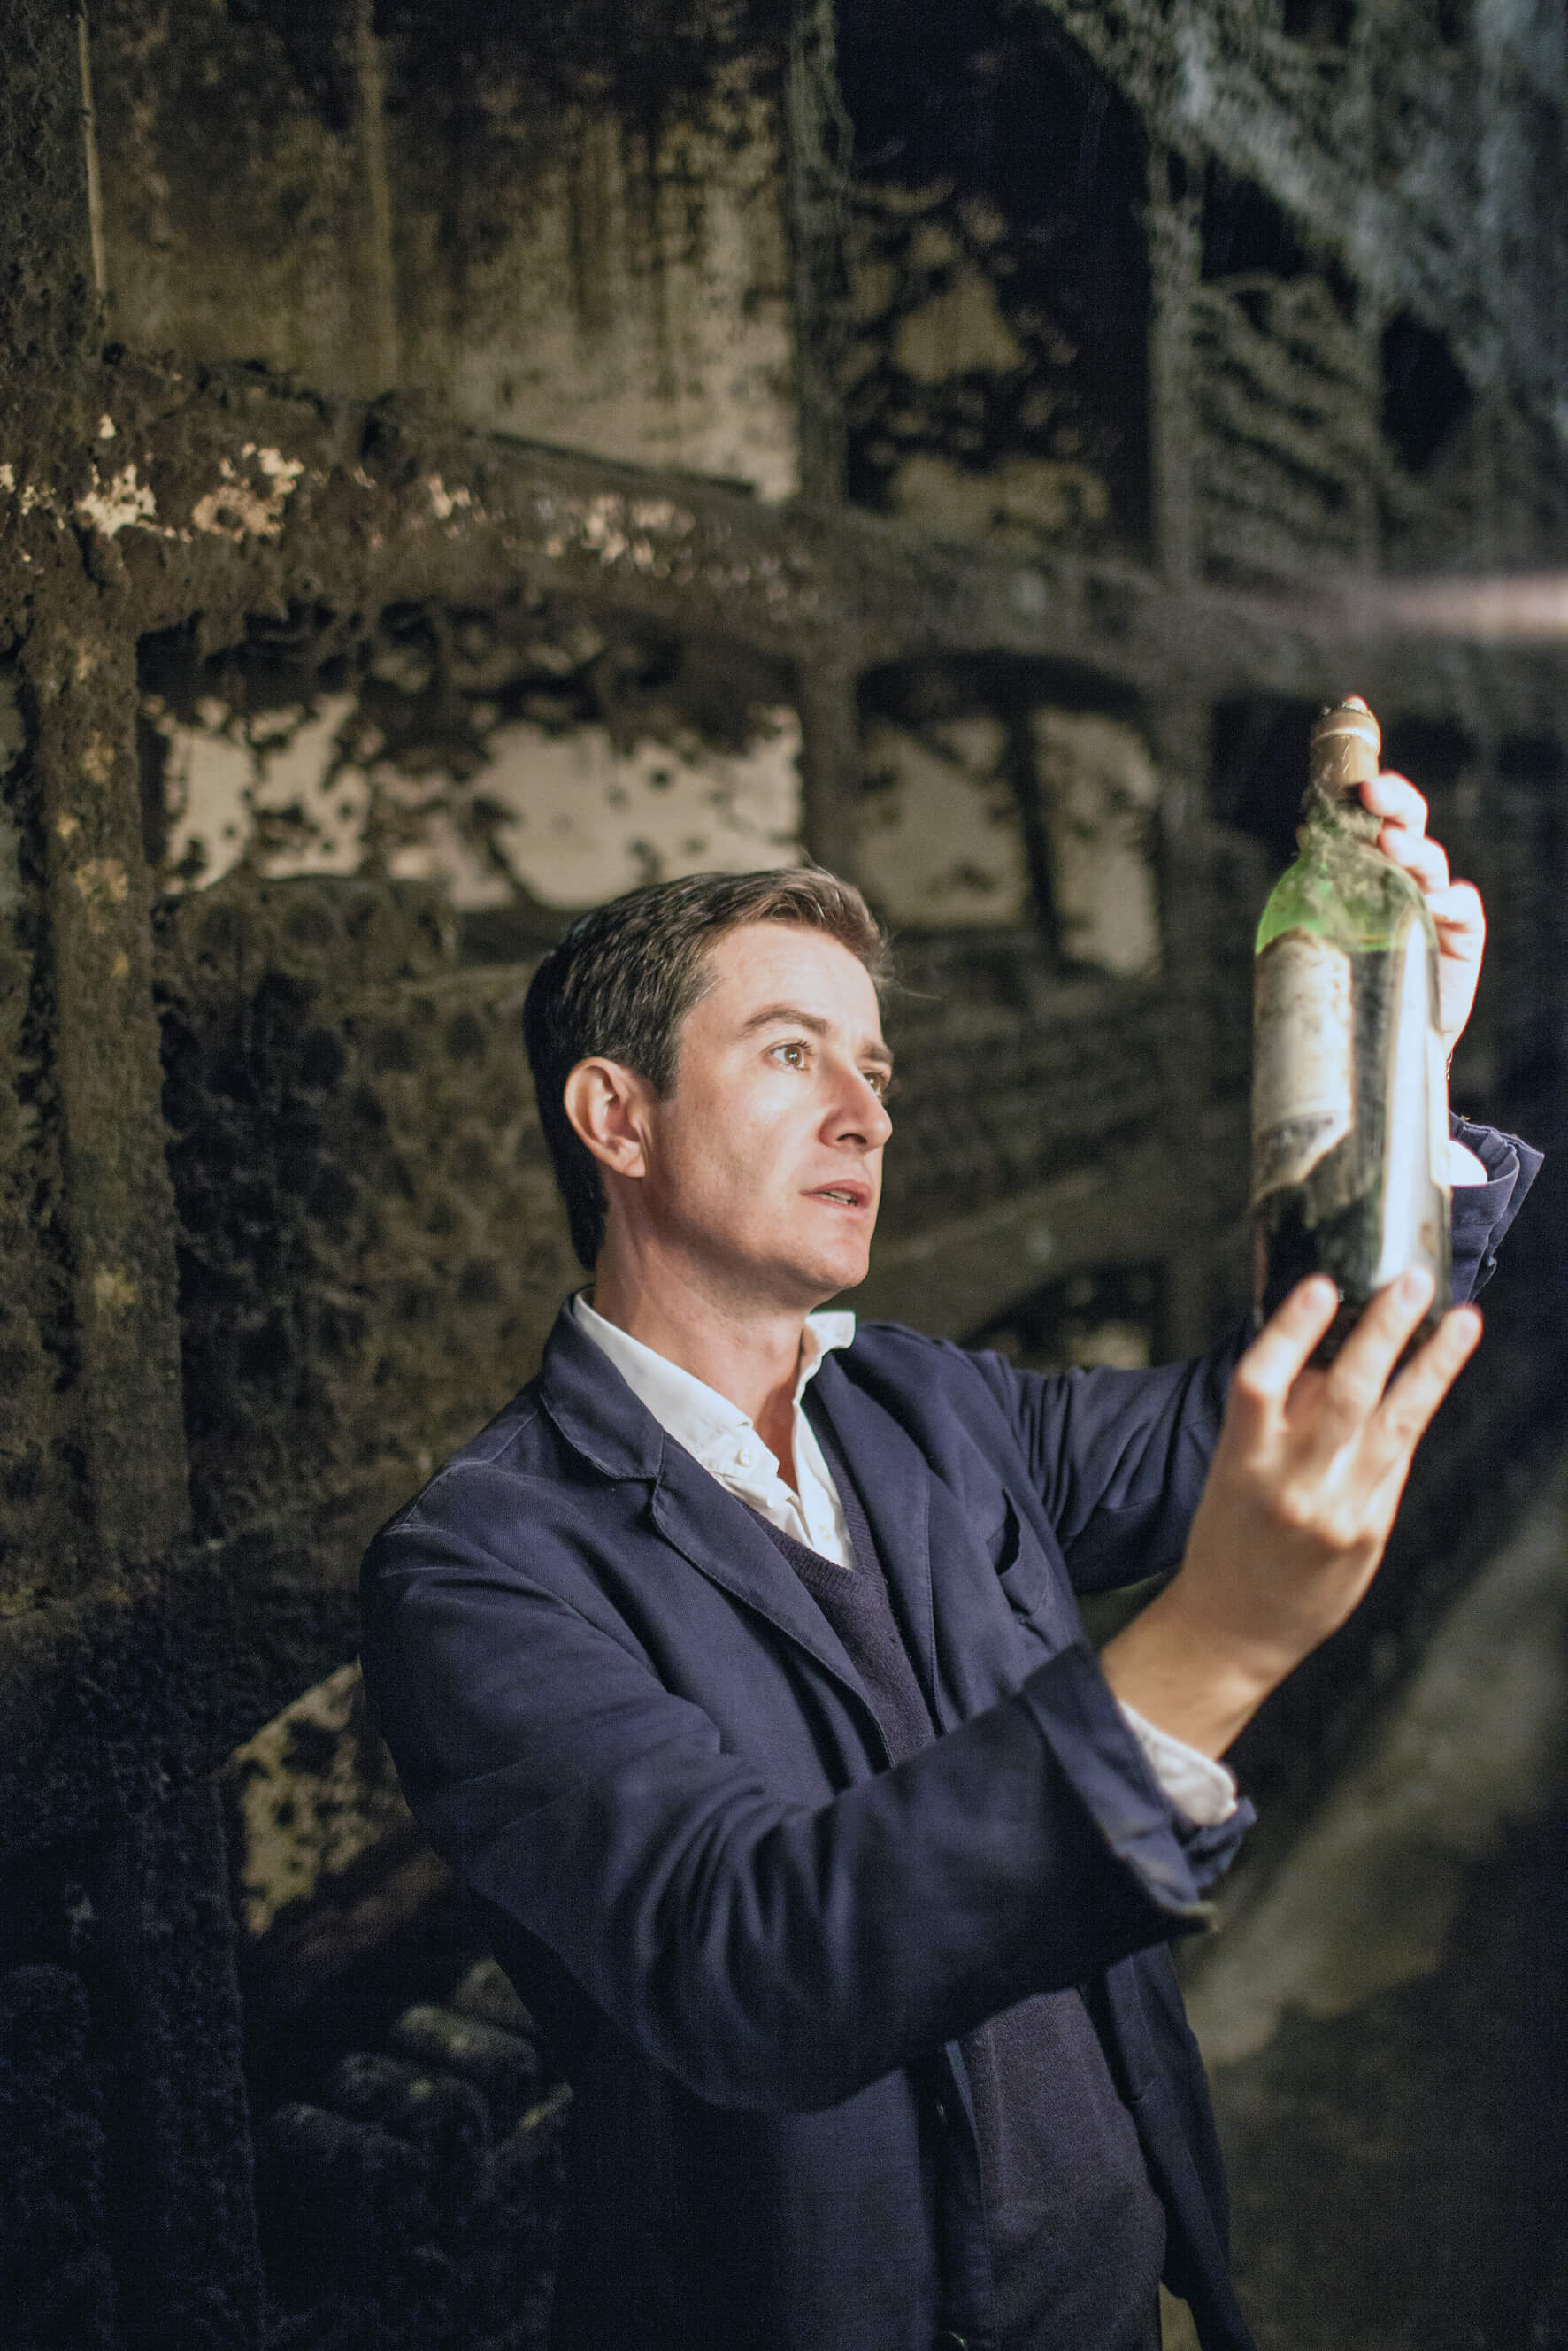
(1350, 1098)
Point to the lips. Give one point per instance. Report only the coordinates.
(842, 1196)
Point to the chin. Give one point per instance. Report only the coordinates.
(845, 1271)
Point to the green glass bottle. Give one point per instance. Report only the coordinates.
(1350, 1099)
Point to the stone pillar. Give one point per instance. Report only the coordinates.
(829, 762)
(118, 1202)
(817, 142)
(381, 367)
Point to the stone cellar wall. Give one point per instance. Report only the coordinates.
(453, 465)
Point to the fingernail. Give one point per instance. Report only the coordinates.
(1411, 1289)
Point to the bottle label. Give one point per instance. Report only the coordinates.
(1303, 1058)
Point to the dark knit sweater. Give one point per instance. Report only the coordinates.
(1076, 2231)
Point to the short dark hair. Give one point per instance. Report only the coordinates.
(624, 977)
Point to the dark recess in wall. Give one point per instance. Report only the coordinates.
(1326, 23)
(62, 2063)
(1432, 752)
(1259, 770)
(1531, 759)
(1426, 396)
(1243, 229)
(1243, 233)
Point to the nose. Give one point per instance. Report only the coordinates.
(861, 1116)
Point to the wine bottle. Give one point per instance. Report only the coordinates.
(1350, 1098)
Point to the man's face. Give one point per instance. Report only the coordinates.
(765, 1160)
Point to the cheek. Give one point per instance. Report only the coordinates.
(727, 1152)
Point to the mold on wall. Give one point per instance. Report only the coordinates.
(984, 804)
(1008, 1077)
(1311, 264)
(994, 368)
(371, 1247)
(43, 1513)
(514, 764)
(552, 231)
(309, 1796)
(1286, 394)
(1100, 791)
(942, 841)
(620, 280)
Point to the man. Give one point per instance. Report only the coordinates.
(736, 1669)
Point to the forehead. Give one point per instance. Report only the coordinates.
(761, 963)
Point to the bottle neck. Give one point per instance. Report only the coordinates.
(1337, 809)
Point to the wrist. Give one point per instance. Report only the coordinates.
(1186, 1677)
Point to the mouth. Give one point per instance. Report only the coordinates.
(855, 1196)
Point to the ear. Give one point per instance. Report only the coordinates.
(607, 1105)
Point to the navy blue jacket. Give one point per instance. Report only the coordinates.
(753, 1945)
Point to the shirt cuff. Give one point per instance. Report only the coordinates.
(1196, 1785)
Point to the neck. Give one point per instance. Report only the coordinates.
(746, 1348)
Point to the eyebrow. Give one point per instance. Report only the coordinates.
(797, 1017)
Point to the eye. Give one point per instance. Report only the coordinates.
(880, 1082)
(793, 1052)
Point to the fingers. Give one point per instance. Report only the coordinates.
(1459, 917)
(1350, 1394)
(1265, 1374)
(1423, 860)
(1408, 1407)
(1397, 799)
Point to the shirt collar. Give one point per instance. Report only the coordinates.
(709, 1427)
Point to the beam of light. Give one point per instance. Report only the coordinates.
(1514, 608)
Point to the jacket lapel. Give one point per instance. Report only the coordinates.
(962, 1631)
(721, 1535)
(599, 1417)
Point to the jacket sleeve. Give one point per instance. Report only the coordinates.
(1483, 1212)
(1121, 1457)
(770, 1955)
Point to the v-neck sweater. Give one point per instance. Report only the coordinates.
(1076, 2231)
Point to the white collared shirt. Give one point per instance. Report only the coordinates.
(718, 1433)
(719, 1436)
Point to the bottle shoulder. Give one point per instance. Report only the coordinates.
(1347, 893)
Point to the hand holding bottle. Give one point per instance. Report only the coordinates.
(1291, 1529)
(1455, 907)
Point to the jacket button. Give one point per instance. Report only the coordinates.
(943, 2342)
(948, 2341)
